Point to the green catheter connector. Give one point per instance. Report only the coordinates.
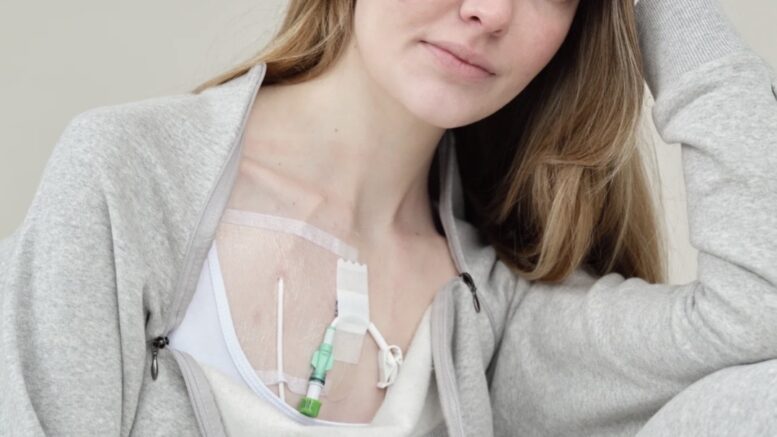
(322, 362)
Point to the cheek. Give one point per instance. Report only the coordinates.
(396, 18)
(538, 38)
(379, 32)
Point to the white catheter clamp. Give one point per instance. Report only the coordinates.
(389, 358)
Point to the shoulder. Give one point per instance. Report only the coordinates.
(157, 128)
(151, 156)
(163, 131)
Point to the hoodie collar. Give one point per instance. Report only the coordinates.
(451, 202)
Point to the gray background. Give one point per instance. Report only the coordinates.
(63, 58)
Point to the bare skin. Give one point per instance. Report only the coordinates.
(406, 269)
(350, 152)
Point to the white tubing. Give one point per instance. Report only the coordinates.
(279, 341)
(379, 340)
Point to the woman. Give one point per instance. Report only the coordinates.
(479, 158)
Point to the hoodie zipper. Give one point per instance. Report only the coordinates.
(467, 278)
(156, 344)
(231, 164)
(443, 366)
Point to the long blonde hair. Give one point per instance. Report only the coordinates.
(555, 179)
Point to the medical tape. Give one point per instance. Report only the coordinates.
(353, 311)
(292, 226)
(352, 296)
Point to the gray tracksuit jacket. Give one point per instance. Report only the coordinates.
(106, 261)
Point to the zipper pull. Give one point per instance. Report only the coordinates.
(472, 288)
(156, 344)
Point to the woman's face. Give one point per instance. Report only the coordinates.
(400, 43)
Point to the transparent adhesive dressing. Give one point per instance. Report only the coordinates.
(286, 281)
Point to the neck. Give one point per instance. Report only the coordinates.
(362, 149)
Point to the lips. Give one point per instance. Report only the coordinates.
(464, 54)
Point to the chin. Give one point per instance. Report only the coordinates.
(442, 103)
(442, 112)
(447, 121)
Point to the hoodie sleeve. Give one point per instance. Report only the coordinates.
(61, 361)
(600, 356)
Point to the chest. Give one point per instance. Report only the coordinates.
(278, 246)
(281, 289)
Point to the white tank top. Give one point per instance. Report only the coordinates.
(248, 407)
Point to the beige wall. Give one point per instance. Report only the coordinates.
(68, 57)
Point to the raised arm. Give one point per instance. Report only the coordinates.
(599, 356)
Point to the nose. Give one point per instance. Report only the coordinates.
(493, 16)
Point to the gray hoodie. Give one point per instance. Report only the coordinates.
(107, 258)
